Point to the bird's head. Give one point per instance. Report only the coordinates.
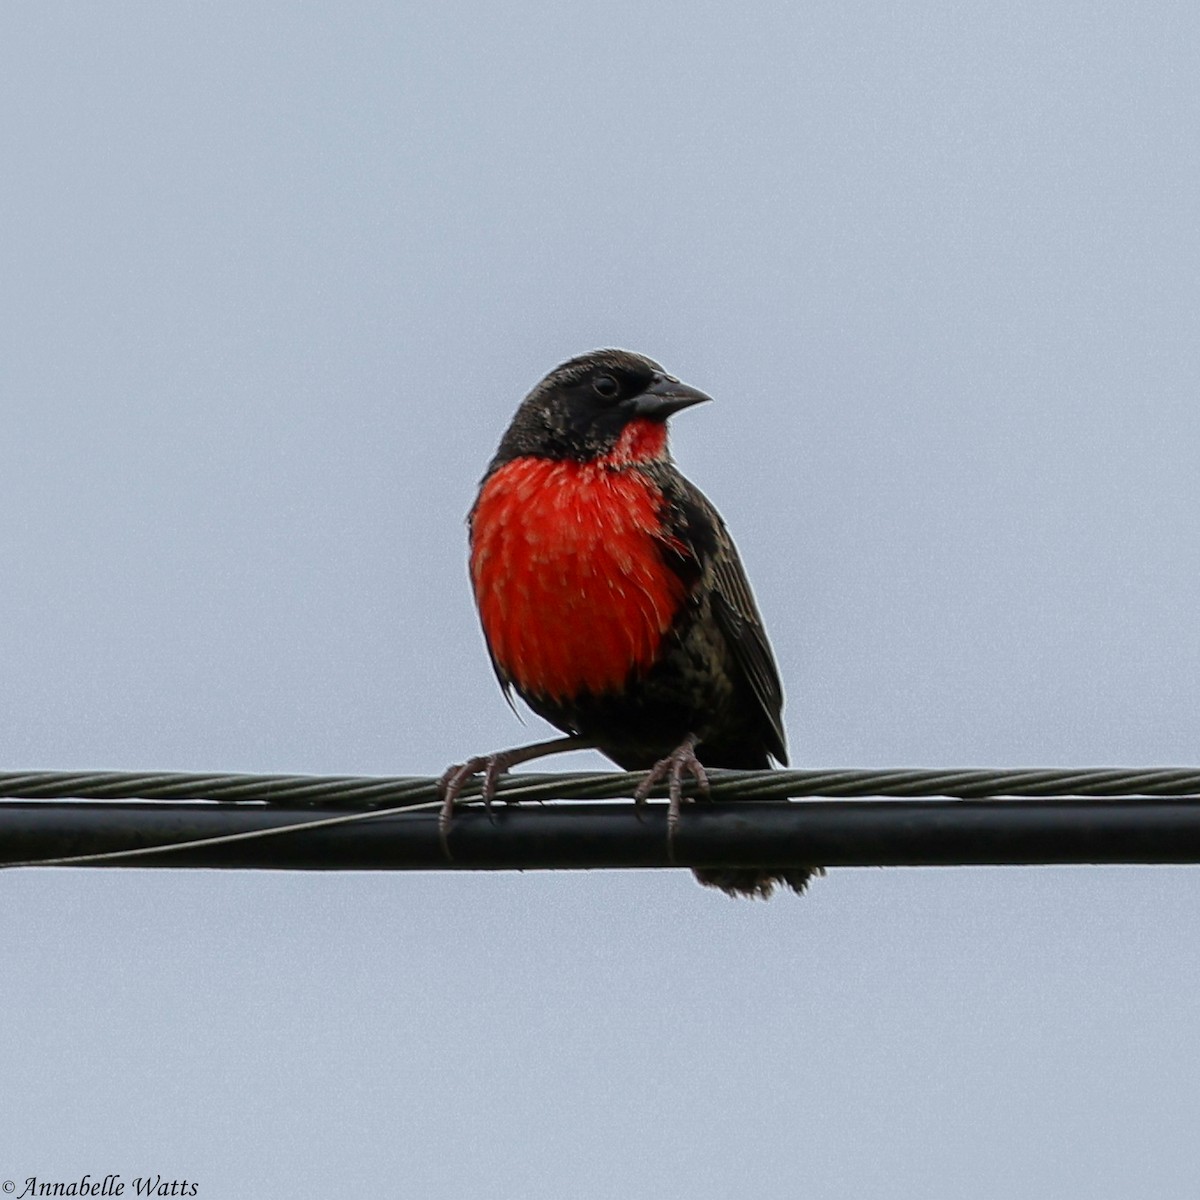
(609, 404)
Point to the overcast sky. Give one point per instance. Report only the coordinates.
(274, 278)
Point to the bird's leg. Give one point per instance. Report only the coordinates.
(681, 760)
(492, 766)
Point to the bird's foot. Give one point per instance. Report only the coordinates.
(491, 767)
(456, 777)
(681, 761)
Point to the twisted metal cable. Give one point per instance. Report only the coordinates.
(847, 818)
(365, 792)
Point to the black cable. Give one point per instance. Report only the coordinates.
(349, 823)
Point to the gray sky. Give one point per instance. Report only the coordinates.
(273, 279)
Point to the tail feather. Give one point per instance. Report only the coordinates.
(758, 883)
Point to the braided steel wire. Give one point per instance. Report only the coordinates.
(847, 818)
(365, 792)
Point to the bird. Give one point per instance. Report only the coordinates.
(613, 600)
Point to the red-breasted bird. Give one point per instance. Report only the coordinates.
(612, 598)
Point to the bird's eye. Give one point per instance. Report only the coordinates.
(606, 387)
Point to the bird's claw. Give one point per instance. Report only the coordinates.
(455, 778)
(682, 760)
(492, 766)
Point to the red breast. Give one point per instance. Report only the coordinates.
(566, 560)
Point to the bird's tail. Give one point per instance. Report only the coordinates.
(758, 883)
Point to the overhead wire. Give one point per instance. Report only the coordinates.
(834, 817)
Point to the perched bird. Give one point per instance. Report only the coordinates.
(612, 598)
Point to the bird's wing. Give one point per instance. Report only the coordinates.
(734, 609)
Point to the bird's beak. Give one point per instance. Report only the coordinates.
(666, 396)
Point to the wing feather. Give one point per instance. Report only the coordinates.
(735, 611)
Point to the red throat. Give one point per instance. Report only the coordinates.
(641, 440)
(566, 560)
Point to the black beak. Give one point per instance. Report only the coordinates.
(666, 396)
